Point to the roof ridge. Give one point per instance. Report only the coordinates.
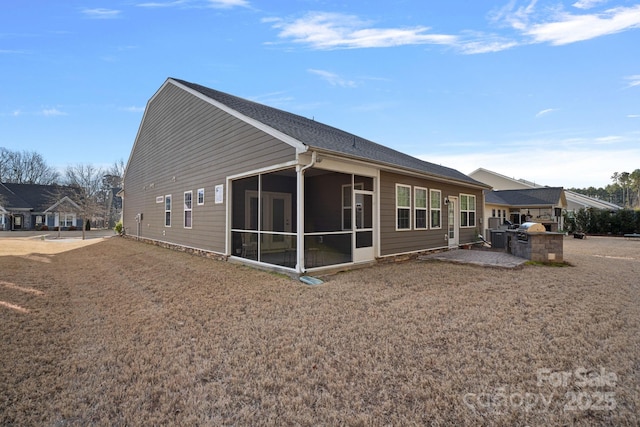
(319, 135)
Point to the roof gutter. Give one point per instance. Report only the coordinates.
(314, 158)
(403, 170)
(300, 195)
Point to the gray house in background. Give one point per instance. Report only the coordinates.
(543, 204)
(37, 207)
(221, 174)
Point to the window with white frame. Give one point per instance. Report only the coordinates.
(167, 210)
(67, 219)
(200, 196)
(420, 207)
(188, 206)
(403, 207)
(467, 210)
(435, 199)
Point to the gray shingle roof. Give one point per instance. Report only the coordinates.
(35, 197)
(324, 137)
(544, 196)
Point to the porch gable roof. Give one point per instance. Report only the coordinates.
(314, 134)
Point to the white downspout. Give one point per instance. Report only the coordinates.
(300, 233)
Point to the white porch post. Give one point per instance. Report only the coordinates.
(300, 220)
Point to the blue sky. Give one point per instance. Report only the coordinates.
(545, 90)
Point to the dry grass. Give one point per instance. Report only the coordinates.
(123, 333)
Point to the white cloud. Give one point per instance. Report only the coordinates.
(162, 4)
(517, 18)
(217, 4)
(332, 78)
(338, 31)
(568, 28)
(485, 46)
(609, 139)
(633, 80)
(578, 167)
(101, 13)
(228, 4)
(633, 116)
(588, 4)
(326, 30)
(545, 112)
(52, 112)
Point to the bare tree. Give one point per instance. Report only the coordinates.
(117, 170)
(88, 182)
(26, 167)
(112, 183)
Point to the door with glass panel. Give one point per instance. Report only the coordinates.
(363, 220)
(453, 221)
(275, 218)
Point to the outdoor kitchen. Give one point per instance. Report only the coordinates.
(529, 240)
(532, 241)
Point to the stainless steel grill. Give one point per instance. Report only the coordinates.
(529, 227)
(532, 227)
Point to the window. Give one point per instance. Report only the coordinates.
(167, 211)
(420, 206)
(467, 210)
(200, 196)
(403, 207)
(436, 208)
(346, 204)
(187, 208)
(66, 219)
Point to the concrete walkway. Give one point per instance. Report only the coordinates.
(477, 257)
(50, 235)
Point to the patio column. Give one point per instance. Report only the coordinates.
(300, 220)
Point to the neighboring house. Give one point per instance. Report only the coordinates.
(575, 201)
(217, 173)
(543, 205)
(33, 207)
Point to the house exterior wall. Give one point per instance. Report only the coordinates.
(488, 214)
(394, 242)
(185, 144)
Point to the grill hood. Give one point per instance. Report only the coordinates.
(532, 227)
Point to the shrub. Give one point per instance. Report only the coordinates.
(88, 226)
(118, 227)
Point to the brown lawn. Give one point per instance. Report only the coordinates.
(117, 332)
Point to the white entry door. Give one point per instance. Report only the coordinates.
(363, 219)
(452, 222)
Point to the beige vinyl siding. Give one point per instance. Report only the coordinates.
(184, 144)
(397, 242)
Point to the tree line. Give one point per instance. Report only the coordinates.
(623, 191)
(603, 221)
(29, 167)
(92, 186)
